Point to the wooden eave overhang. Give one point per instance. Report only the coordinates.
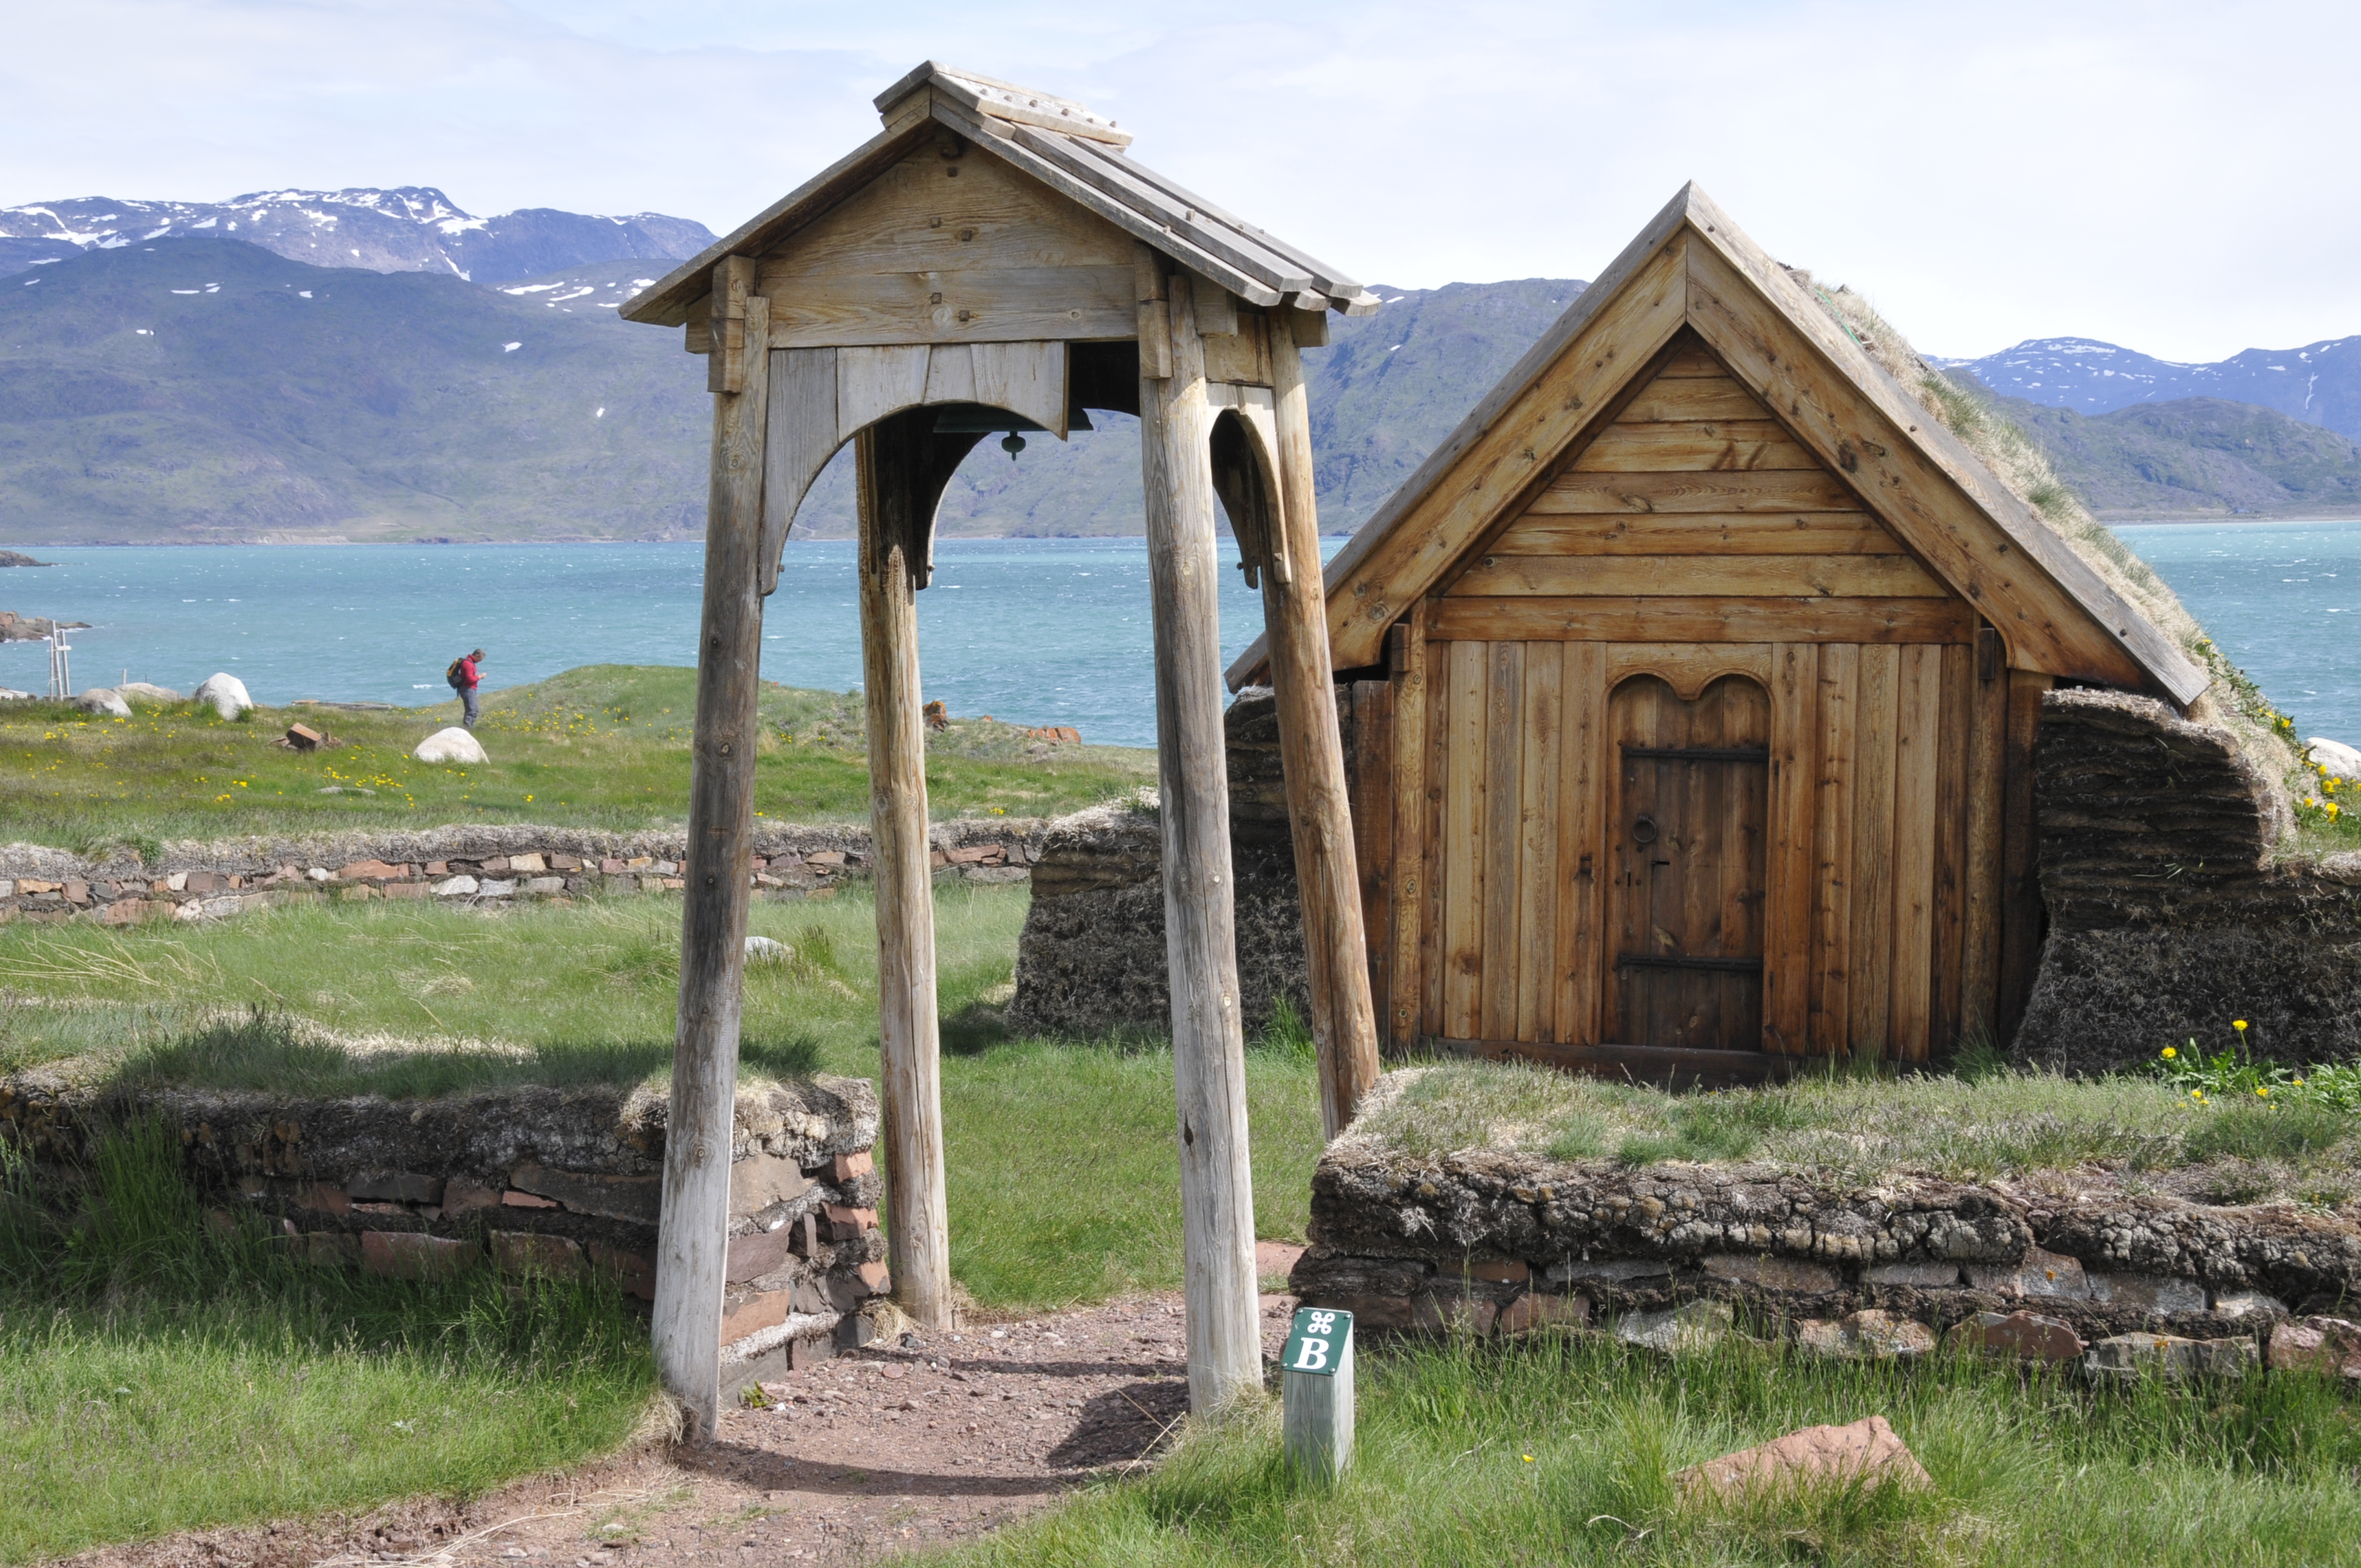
(1065, 147)
(1692, 268)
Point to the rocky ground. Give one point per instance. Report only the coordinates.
(876, 1453)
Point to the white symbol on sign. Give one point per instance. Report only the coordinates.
(1312, 1356)
(1322, 1322)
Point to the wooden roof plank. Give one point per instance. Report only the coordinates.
(1004, 144)
(1471, 432)
(1326, 279)
(1119, 178)
(667, 303)
(1979, 536)
(1057, 141)
(1916, 471)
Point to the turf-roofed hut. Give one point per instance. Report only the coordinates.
(1695, 682)
(994, 260)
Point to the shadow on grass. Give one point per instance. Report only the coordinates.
(268, 1051)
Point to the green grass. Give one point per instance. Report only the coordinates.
(1063, 1175)
(1864, 1127)
(605, 746)
(1561, 1450)
(157, 1374)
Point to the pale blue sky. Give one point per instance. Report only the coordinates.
(2178, 178)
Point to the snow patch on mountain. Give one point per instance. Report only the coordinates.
(409, 228)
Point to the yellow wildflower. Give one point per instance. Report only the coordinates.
(2239, 1025)
(2169, 1053)
(2263, 1092)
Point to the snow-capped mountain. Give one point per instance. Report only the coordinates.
(2319, 383)
(412, 228)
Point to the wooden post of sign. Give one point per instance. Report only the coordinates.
(693, 1235)
(1200, 941)
(1316, 1414)
(1312, 755)
(893, 490)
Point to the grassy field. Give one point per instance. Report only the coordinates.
(1562, 1450)
(155, 1374)
(604, 746)
(415, 999)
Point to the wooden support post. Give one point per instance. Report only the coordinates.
(1201, 939)
(1987, 786)
(694, 1222)
(896, 511)
(1311, 754)
(2023, 918)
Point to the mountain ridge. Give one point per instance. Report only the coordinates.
(211, 390)
(2319, 383)
(403, 228)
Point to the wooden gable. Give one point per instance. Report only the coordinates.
(1692, 515)
(947, 246)
(1795, 398)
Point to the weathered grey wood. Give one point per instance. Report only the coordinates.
(725, 368)
(802, 437)
(1317, 1419)
(893, 488)
(1027, 378)
(874, 382)
(1208, 1047)
(1312, 753)
(694, 1225)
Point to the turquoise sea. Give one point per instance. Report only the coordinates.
(1042, 631)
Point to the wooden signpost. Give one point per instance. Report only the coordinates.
(994, 260)
(1315, 1373)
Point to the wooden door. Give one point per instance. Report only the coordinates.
(1685, 855)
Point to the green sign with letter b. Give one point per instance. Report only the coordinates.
(1317, 1343)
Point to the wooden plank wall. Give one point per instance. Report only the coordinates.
(1692, 538)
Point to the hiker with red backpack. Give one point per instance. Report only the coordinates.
(463, 674)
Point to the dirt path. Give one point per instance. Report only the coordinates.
(877, 1452)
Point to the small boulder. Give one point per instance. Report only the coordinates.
(2169, 1355)
(2330, 1345)
(455, 887)
(303, 738)
(10, 694)
(103, 699)
(2236, 1304)
(146, 691)
(1871, 1335)
(2342, 762)
(226, 693)
(2027, 1336)
(1693, 1325)
(1868, 1453)
(767, 951)
(452, 745)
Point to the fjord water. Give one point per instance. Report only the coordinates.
(2282, 599)
(1032, 630)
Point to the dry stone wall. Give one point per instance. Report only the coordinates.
(1092, 960)
(199, 881)
(2170, 913)
(531, 1179)
(1492, 1243)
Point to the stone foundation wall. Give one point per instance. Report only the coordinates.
(197, 881)
(1092, 959)
(2170, 914)
(556, 1181)
(1492, 1243)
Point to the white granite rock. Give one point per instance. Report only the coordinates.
(226, 693)
(452, 745)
